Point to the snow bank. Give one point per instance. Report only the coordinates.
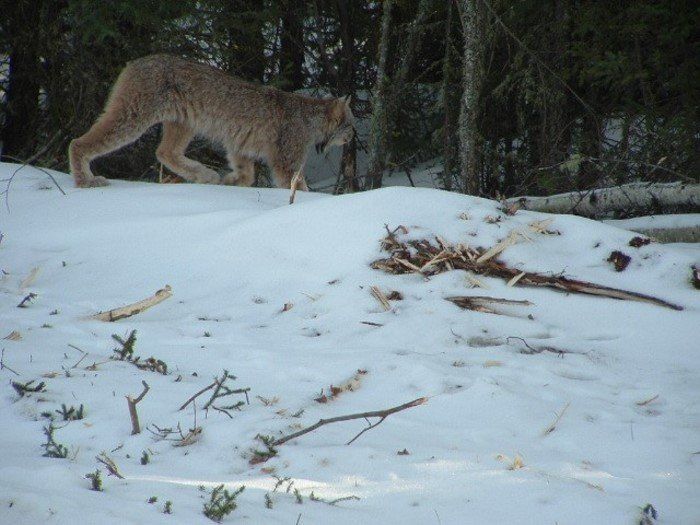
(235, 256)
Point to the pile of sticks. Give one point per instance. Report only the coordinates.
(430, 258)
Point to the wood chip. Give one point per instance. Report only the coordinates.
(14, 335)
(29, 280)
(499, 247)
(379, 295)
(515, 279)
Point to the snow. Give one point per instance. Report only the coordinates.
(680, 220)
(235, 256)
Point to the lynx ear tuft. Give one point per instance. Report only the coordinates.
(347, 99)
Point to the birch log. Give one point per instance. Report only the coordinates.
(599, 202)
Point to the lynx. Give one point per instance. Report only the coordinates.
(251, 121)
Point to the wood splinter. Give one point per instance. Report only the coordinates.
(136, 308)
(294, 185)
(135, 426)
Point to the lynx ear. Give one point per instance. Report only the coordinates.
(347, 99)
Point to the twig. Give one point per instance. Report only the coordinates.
(647, 401)
(109, 464)
(3, 365)
(379, 296)
(197, 395)
(27, 299)
(134, 308)
(382, 414)
(553, 426)
(369, 426)
(31, 159)
(135, 427)
(296, 179)
(530, 350)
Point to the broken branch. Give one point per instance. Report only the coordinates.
(382, 414)
(135, 308)
(135, 427)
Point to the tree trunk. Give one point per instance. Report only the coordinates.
(292, 46)
(378, 124)
(22, 96)
(470, 158)
(450, 101)
(348, 163)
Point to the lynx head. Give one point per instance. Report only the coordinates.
(339, 126)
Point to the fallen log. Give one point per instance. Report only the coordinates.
(596, 203)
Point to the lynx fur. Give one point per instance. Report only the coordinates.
(251, 121)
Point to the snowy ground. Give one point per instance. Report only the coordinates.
(477, 451)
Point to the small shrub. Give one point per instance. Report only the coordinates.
(71, 414)
(95, 480)
(221, 503)
(51, 448)
(126, 352)
(261, 456)
(25, 388)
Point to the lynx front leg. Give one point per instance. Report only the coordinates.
(242, 171)
(171, 152)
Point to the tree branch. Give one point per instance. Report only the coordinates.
(382, 414)
(135, 427)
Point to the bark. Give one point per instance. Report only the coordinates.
(471, 87)
(378, 123)
(625, 198)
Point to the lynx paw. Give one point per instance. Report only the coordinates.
(230, 179)
(208, 178)
(94, 182)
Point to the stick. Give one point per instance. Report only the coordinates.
(383, 414)
(3, 365)
(135, 427)
(379, 296)
(553, 426)
(197, 395)
(647, 401)
(296, 179)
(110, 464)
(135, 308)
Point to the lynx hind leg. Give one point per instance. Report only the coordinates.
(109, 133)
(171, 153)
(242, 171)
(126, 117)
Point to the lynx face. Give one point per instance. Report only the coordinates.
(340, 125)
